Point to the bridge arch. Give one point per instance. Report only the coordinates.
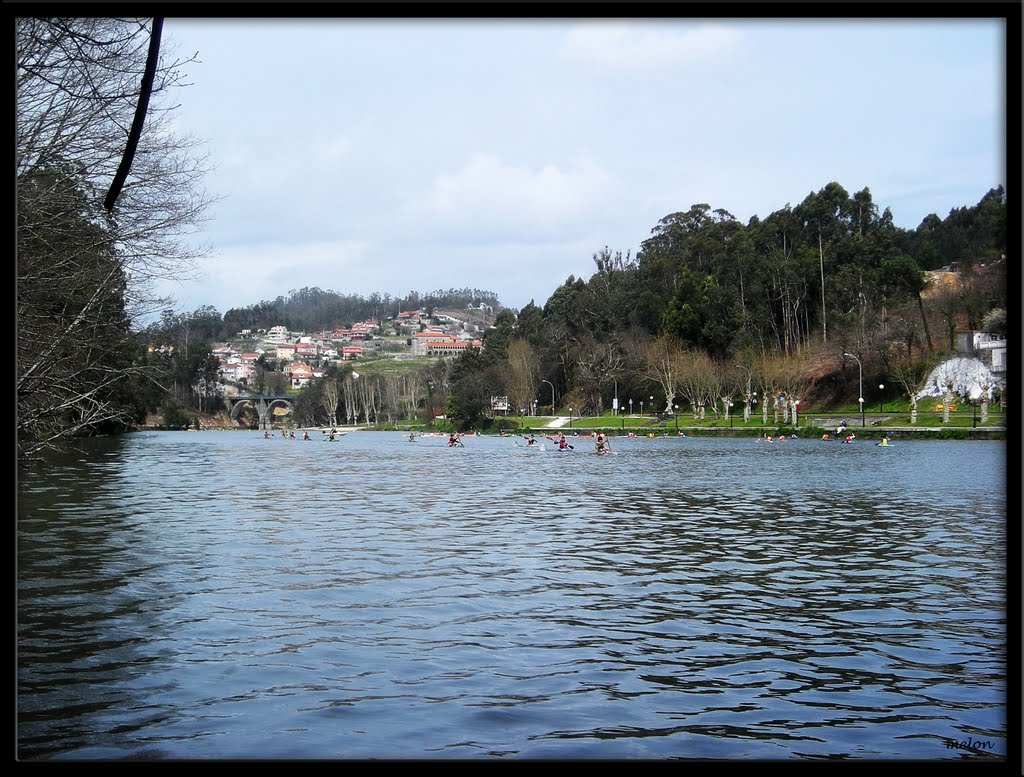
(277, 403)
(262, 405)
(237, 406)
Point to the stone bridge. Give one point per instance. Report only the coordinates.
(264, 405)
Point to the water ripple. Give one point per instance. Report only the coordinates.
(225, 596)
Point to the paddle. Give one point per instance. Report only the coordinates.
(567, 445)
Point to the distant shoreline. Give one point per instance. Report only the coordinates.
(804, 433)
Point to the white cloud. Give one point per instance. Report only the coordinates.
(241, 275)
(332, 150)
(631, 48)
(487, 196)
(592, 130)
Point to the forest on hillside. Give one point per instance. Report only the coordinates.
(314, 310)
(711, 310)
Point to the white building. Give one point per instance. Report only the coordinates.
(989, 348)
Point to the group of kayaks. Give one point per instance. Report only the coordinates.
(562, 445)
(328, 436)
(849, 439)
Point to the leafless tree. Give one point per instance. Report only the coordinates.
(664, 363)
(910, 371)
(595, 366)
(522, 380)
(85, 274)
(78, 83)
(698, 382)
(330, 397)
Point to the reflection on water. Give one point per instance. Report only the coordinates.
(219, 595)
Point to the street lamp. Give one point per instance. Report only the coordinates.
(552, 395)
(641, 407)
(861, 387)
(570, 418)
(675, 416)
(652, 405)
(796, 413)
(881, 387)
(631, 407)
(728, 407)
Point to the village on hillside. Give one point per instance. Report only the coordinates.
(301, 357)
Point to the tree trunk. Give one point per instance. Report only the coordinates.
(924, 321)
(821, 260)
(913, 408)
(946, 400)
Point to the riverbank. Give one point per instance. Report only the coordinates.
(814, 427)
(804, 432)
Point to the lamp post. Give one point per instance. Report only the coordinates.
(860, 399)
(675, 416)
(570, 418)
(552, 395)
(728, 407)
(641, 407)
(631, 407)
(615, 400)
(796, 413)
(652, 405)
(881, 388)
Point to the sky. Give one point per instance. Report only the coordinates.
(390, 156)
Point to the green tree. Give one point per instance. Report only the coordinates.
(472, 383)
(74, 348)
(498, 338)
(901, 275)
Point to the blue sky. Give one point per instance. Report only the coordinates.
(390, 156)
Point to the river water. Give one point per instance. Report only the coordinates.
(218, 595)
